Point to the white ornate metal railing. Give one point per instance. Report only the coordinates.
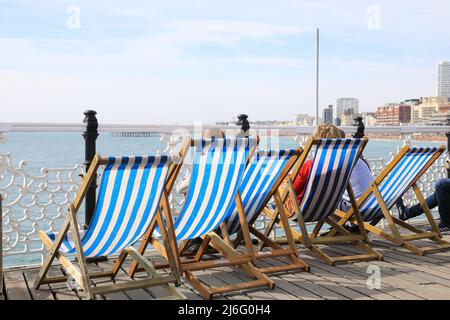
(31, 203)
(34, 202)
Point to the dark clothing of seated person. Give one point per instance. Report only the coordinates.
(439, 199)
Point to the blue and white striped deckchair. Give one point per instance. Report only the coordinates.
(128, 202)
(217, 172)
(263, 176)
(328, 179)
(399, 176)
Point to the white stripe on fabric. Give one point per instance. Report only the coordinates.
(316, 206)
(202, 206)
(125, 215)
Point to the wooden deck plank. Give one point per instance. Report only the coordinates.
(239, 276)
(347, 287)
(44, 292)
(60, 290)
(312, 283)
(15, 286)
(408, 280)
(185, 289)
(106, 265)
(358, 282)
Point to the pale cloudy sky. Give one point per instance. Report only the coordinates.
(181, 61)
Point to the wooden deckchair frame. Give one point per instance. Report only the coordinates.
(313, 240)
(81, 275)
(231, 257)
(291, 253)
(395, 236)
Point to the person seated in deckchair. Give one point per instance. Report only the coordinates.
(440, 199)
(360, 178)
(322, 131)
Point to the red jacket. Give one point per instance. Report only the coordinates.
(300, 180)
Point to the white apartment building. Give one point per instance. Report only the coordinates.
(344, 105)
(369, 118)
(444, 79)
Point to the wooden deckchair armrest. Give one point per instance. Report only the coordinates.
(87, 181)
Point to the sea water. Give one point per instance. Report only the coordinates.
(57, 150)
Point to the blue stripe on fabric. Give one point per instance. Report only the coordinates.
(319, 166)
(203, 186)
(123, 208)
(155, 197)
(326, 179)
(212, 225)
(333, 186)
(112, 205)
(160, 173)
(184, 223)
(414, 161)
(406, 163)
(264, 188)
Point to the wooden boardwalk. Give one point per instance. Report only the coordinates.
(404, 276)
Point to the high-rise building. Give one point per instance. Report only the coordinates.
(444, 79)
(393, 114)
(345, 105)
(328, 114)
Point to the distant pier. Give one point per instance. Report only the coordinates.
(135, 134)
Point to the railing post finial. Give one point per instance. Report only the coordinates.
(359, 134)
(245, 125)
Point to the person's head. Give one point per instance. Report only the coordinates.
(328, 131)
(213, 133)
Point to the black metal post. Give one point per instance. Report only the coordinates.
(90, 137)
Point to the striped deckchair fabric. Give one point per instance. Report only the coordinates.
(129, 195)
(332, 164)
(328, 179)
(263, 176)
(217, 172)
(400, 175)
(128, 206)
(218, 166)
(259, 179)
(398, 181)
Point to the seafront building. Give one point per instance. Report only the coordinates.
(431, 110)
(444, 79)
(343, 105)
(328, 114)
(369, 118)
(394, 114)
